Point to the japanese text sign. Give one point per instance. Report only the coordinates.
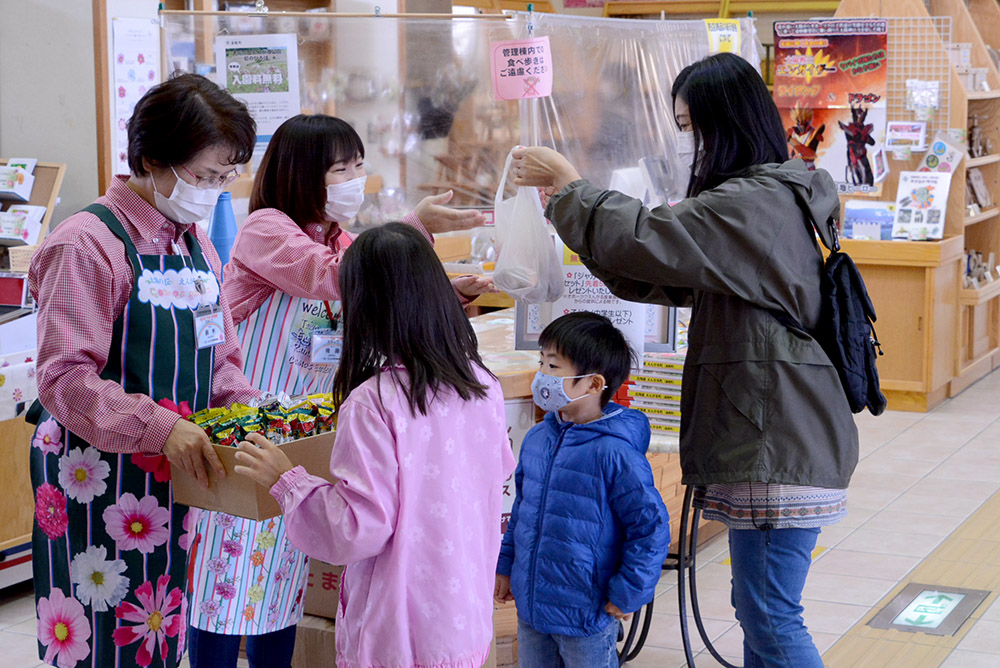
(521, 68)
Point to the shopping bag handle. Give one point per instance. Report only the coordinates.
(503, 179)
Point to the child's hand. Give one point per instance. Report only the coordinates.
(261, 460)
(616, 612)
(437, 218)
(472, 286)
(501, 592)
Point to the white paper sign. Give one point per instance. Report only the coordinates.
(263, 71)
(583, 292)
(921, 204)
(520, 418)
(136, 66)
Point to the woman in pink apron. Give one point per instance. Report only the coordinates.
(282, 280)
(121, 288)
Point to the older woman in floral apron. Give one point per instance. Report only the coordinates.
(131, 331)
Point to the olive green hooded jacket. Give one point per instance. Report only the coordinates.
(760, 402)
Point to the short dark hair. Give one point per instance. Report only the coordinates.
(734, 117)
(399, 308)
(177, 119)
(592, 345)
(292, 175)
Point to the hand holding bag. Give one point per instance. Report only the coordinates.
(527, 266)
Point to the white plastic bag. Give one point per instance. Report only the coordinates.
(527, 266)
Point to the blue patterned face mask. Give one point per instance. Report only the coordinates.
(549, 392)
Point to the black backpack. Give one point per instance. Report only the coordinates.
(846, 329)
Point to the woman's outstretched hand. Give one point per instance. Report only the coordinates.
(436, 217)
(542, 167)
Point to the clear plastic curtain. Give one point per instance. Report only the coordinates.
(419, 92)
(610, 111)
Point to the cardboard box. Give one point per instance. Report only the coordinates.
(238, 495)
(315, 643)
(323, 590)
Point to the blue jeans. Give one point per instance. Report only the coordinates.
(216, 650)
(769, 572)
(547, 650)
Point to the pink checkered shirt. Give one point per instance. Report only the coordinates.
(272, 253)
(81, 279)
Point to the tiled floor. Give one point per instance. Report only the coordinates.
(920, 477)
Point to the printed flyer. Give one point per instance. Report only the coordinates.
(263, 71)
(830, 86)
(136, 67)
(921, 203)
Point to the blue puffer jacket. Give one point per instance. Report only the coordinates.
(588, 526)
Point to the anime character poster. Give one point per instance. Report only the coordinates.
(830, 85)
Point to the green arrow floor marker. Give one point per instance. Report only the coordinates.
(919, 621)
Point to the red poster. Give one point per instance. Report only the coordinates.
(830, 85)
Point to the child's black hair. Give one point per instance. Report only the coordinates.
(400, 309)
(592, 345)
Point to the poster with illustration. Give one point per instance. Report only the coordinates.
(263, 71)
(830, 86)
(136, 67)
(921, 203)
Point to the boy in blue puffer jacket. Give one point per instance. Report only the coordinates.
(588, 532)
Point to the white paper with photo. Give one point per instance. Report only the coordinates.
(263, 71)
(921, 204)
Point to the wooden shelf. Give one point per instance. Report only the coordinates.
(984, 160)
(904, 253)
(717, 7)
(974, 95)
(985, 215)
(975, 297)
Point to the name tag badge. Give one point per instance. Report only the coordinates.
(327, 347)
(209, 328)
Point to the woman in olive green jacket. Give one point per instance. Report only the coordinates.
(767, 434)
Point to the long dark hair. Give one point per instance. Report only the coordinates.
(177, 119)
(292, 174)
(400, 309)
(733, 117)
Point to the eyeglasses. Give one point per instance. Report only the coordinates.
(211, 182)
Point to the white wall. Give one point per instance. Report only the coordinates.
(47, 98)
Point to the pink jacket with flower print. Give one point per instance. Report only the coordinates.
(415, 518)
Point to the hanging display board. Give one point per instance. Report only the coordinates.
(831, 86)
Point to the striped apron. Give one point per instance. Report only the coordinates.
(246, 577)
(108, 560)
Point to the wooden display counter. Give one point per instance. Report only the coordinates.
(18, 504)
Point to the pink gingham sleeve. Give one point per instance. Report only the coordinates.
(80, 294)
(274, 250)
(354, 519)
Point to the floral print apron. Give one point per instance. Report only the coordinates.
(109, 550)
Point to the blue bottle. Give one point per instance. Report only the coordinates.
(222, 231)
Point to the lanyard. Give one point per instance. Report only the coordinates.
(329, 313)
(199, 282)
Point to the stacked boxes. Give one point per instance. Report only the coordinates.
(656, 391)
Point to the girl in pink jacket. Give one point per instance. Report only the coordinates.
(421, 454)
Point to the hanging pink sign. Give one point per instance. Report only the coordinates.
(522, 68)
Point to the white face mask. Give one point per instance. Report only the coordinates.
(186, 204)
(343, 200)
(686, 148)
